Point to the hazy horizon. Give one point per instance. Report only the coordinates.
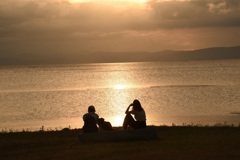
(48, 30)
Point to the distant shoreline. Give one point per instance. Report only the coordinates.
(216, 53)
(92, 63)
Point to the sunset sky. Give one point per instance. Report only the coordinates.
(46, 29)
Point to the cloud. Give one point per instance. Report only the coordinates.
(223, 7)
(92, 16)
(63, 17)
(51, 28)
(196, 13)
(47, 21)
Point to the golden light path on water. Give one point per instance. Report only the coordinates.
(120, 83)
(58, 96)
(120, 86)
(118, 120)
(117, 117)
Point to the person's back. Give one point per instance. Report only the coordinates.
(90, 121)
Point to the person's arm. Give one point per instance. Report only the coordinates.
(127, 111)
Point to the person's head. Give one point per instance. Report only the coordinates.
(137, 105)
(91, 109)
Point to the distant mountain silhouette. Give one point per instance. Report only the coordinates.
(217, 53)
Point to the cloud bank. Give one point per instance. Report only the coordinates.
(47, 29)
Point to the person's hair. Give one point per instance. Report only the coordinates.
(91, 109)
(137, 105)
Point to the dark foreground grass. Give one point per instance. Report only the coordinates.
(183, 143)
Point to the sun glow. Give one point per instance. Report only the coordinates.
(120, 86)
(117, 121)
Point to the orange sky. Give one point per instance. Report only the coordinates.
(69, 28)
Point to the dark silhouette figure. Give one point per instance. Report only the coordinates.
(104, 125)
(139, 120)
(90, 120)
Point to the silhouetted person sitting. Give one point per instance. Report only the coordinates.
(139, 120)
(90, 120)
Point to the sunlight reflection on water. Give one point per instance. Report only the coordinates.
(176, 92)
(120, 86)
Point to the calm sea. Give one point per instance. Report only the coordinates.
(57, 96)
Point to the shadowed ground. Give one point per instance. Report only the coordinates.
(149, 133)
(196, 143)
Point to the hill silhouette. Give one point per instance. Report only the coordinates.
(217, 53)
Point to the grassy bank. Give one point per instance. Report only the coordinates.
(173, 143)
